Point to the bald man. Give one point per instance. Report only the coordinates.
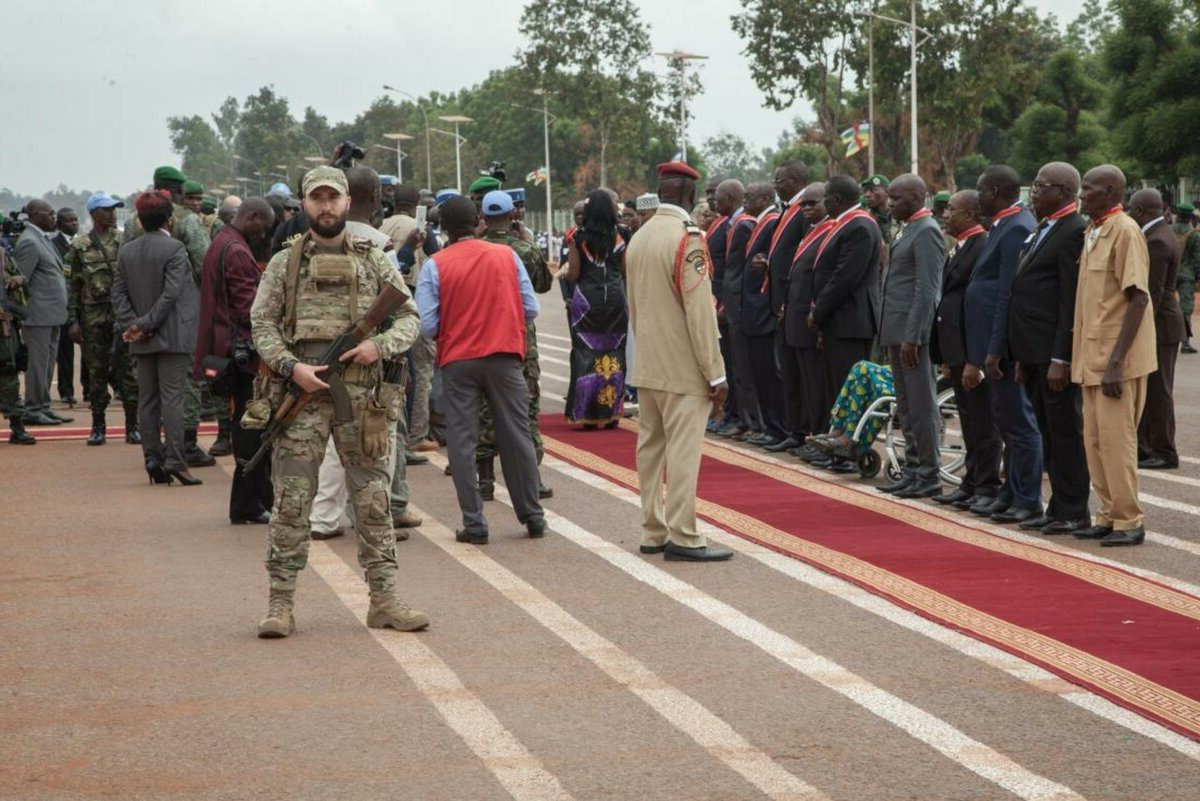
(1113, 354)
(1156, 431)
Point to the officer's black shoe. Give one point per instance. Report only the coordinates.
(192, 455)
(17, 435)
(132, 437)
(222, 446)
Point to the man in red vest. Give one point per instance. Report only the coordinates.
(474, 298)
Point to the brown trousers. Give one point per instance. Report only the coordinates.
(1110, 439)
(670, 441)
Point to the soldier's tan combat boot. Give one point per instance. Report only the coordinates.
(279, 621)
(388, 611)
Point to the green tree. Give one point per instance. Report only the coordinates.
(1062, 123)
(729, 156)
(205, 157)
(266, 136)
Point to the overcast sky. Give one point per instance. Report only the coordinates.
(90, 85)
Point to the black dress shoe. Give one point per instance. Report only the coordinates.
(709, 553)
(959, 494)
(1064, 526)
(966, 503)
(1156, 463)
(1133, 536)
(782, 445)
(992, 506)
(895, 486)
(1039, 522)
(821, 463)
(652, 548)
(261, 519)
(843, 466)
(415, 458)
(40, 419)
(731, 430)
(760, 439)
(326, 535)
(916, 490)
(53, 415)
(536, 527)
(544, 492)
(1016, 515)
(472, 537)
(1092, 533)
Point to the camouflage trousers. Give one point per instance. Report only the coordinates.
(424, 360)
(108, 361)
(200, 402)
(10, 382)
(487, 426)
(295, 462)
(1187, 300)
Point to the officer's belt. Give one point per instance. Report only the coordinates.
(364, 375)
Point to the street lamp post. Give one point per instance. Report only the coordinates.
(911, 24)
(398, 138)
(457, 119)
(420, 108)
(682, 57)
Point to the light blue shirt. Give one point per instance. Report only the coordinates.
(429, 290)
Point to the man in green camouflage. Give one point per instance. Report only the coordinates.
(498, 215)
(311, 292)
(1189, 266)
(187, 228)
(12, 308)
(90, 266)
(875, 199)
(208, 216)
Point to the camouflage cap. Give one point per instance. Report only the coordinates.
(325, 176)
(872, 181)
(168, 174)
(191, 187)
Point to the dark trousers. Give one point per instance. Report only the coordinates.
(1156, 431)
(162, 385)
(746, 386)
(787, 358)
(1060, 420)
(1013, 415)
(981, 473)
(500, 378)
(837, 357)
(916, 403)
(816, 397)
(250, 493)
(733, 410)
(66, 367)
(755, 356)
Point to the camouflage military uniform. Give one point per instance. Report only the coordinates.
(542, 280)
(1189, 266)
(91, 266)
(284, 336)
(10, 342)
(886, 226)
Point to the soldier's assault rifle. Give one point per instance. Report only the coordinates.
(296, 397)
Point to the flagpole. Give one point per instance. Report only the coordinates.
(871, 92)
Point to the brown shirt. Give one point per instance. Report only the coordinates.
(1114, 258)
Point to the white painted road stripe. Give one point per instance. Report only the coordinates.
(1014, 666)
(560, 338)
(543, 346)
(518, 771)
(681, 710)
(929, 729)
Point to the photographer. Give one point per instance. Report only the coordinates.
(228, 285)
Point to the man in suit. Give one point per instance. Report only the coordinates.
(717, 237)
(1156, 432)
(678, 372)
(911, 285)
(1041, 310)
(754, 346)
(731, 196)
(157, 304)
(40, 265)
(67, 222)
(1114, 354)
(986, 312)
(790, 178)
(981, 474)
(845, 286)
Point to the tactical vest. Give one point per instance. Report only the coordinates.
(99, 269)
(332, 291)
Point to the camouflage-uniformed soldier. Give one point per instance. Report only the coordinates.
(90, 266)
(312, 291)
(876, 201)
(188, 229)
(12, 308)
(1189, 266)
(498, 215)
(208, 216)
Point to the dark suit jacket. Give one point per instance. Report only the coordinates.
(846, 282)
(912, 283)
(735, 267)
(716, 248)
(757, 318)
(1164, 270)
(61, 242)
(799, 302)
(1041, 304)
(949, 344)
(780, 256)
(986, 304)
(154, 288)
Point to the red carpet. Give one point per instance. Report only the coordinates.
(1132, 640)
(73, 431)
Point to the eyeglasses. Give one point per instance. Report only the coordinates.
(1038, 186)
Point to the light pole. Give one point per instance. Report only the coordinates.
(457, 119)
(681, 58)
(287, 172)
(911, 24)
(420, 108)
(398, 138)
(257, 171)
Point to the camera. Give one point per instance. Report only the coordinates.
(14, 226)
(244, 353)
(496, 170)
(347, 153)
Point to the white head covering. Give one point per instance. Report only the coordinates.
(647, 202)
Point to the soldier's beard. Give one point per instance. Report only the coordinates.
(328, 230)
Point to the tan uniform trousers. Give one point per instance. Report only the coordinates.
(1110, 439)
(670, 440)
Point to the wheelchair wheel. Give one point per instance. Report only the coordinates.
(869, 464)
(894, 473)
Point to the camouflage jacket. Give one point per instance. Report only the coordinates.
(1189, 251)
(90, 269)
(530, 255)
(273, 342)
(187, 229)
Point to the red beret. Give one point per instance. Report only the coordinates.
(677, 168)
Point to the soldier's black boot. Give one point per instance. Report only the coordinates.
(17, 435)
(223, 446)
(99, 431)
(132, 435)
(487, 479)
(192, 455)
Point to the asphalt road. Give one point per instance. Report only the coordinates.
(568, 667)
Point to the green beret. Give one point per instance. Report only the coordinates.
(193, 188)
(872, 181)
(484, 184)
(208, 205)
(1185, 208)
(168, 175)
(941, 197)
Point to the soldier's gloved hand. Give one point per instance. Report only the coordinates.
(365, 352)
(75, 332)
(305, 376)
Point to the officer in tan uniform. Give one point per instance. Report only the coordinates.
(1113, 353)
(678, 372)
(311, 292)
